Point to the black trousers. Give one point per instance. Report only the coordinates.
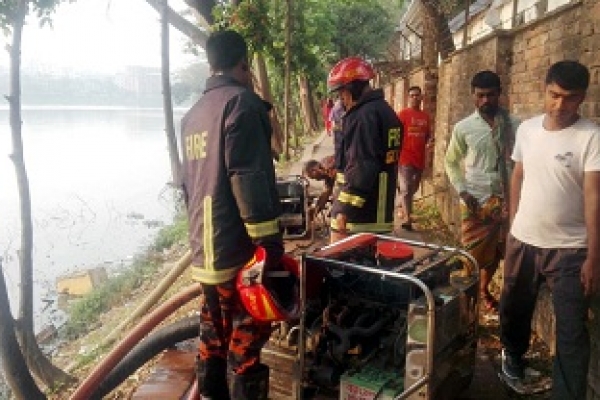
(525, 268)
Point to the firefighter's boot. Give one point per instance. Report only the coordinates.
(253, 385)
(212, 379)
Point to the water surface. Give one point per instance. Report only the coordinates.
(98, 181)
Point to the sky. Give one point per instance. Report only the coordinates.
(100, 36)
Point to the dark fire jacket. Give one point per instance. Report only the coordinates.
(228, 180)
(368, 161)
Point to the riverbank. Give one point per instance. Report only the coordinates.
(95, 316)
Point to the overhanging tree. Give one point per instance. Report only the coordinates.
(436, 22)
(12, 18)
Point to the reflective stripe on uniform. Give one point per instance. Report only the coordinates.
(382, 198)
(212, 276)
(208, 234)
(339, 178)
(262, 229)
(352, 199)
(365, 227)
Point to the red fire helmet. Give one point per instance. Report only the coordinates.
(348, 70)
(279, 302)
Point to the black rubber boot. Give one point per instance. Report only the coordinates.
(253, 385)
(212, 379)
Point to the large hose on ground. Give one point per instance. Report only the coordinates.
(90, 384)
(155, 343)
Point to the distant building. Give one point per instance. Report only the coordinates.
(140, 80)
(485, 16)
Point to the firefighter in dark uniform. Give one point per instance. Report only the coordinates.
(367, 159)
(233, 206)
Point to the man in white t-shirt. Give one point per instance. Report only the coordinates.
(554, 235)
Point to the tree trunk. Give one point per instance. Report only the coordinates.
(436, 22)
(167, 100)
(308, 109)
(287, 85)
(15, 368)
(264, 90)
(36, 360)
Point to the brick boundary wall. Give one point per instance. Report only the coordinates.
(521, 57)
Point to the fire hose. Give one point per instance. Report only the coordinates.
(155, 343)
(90, 384)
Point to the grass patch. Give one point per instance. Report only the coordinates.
(84, 312)
(171, 234)
(432, 226)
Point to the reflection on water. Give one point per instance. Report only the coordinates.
(92, 173)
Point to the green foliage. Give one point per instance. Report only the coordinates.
(7, 10)
(395, 8)
(189, 82)
(42, 9)
(249, 18)
(87, 310)
(323, 32)
(172, 234)
(363, 28)
(432, 226)
(311, 39)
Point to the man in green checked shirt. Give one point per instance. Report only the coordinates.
(478, 166)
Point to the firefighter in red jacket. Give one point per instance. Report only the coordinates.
(368, 152)
(233, 206)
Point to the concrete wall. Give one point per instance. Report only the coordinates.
(521, 57)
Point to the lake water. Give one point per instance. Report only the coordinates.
(98, 181)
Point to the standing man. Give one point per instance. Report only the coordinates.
(417, 139)
(367, 157)
(233, 206)
(555, 214)
(483, 143)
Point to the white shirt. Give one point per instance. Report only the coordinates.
(551, 210)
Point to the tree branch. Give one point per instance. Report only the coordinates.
(204, 8)
(196, 35)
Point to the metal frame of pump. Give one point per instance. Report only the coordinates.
(433, 256)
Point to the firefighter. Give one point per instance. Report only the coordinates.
(367, 157)
(233, 208)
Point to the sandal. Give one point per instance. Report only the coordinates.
(489, 302)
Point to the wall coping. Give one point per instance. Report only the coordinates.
(507, 33)
(549, 15)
